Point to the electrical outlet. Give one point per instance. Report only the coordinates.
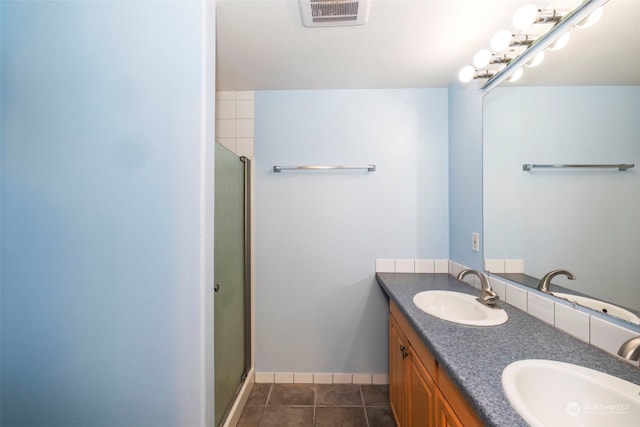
(475, 242)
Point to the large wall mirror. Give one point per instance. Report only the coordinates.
(580, 106)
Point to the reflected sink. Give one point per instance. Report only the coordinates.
(459, 308)
(601, 306)
(550, 393)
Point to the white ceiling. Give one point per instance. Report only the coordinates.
(262, 44)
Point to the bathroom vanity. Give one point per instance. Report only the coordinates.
(420, 392)
(447, 374)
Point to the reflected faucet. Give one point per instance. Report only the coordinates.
(544, 284)
(630, 349)
(488, 296)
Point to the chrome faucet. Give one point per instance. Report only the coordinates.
(545, 282)
(488, 296)
(630, 349)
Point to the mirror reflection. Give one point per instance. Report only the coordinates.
(580, 107)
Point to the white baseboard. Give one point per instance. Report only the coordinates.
(319, 378)
(238, 406)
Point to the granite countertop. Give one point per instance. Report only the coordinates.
(474, 356)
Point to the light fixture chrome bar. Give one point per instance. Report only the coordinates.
(370, 168)
(621, 166)
(569, 21)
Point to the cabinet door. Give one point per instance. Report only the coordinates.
(422, 396)
(397, 374)
(445, 416)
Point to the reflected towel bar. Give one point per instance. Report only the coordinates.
(621, 167)
(370, 168)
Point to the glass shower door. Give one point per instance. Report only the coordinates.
(229, 273)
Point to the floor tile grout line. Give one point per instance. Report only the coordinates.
(315, 404)
(364, 406)
(264, 409)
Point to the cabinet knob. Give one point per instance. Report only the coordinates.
(404, 351)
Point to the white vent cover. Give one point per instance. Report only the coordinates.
(334, 13)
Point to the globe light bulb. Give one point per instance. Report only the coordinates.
(501, 41)
(516, 75)
(482, 58)
(467, 74)
(560, 42)
(537, 60)
(525, 16)
(591, 20)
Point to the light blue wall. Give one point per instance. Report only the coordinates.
(588, 217)
(318, 307)
(102, 123)
(465, 173)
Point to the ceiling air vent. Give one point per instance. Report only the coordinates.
(334, 13)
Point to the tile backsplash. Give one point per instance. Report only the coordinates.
(412, 266)
(577, 321)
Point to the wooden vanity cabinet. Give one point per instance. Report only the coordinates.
(420, 394)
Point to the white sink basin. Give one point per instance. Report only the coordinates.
(459, 308)
(550, 393)
(603, 307)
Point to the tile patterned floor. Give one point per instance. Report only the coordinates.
(319, 405)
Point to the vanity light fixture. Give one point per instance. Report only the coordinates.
(591, 20)
(469, 73)
(482, 58)
(537, 60)
(516, 75)
(530, 46)
(560, 42)
(528, 15)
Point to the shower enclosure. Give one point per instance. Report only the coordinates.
(232, 278)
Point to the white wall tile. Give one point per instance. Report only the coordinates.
(226, 109)
(608, 336)
(405, 266)
(541, 307)
(342, 378)
(225, 128)
(226, 94)
(263, 377)
(455, 268)
(244, 147)
(494, 265)
(441, 265)
(516, 297)
(514, 266)
(283, 377)
(362, 378)
(498, 286)
(385, 266)
(323, 378)
(245, 109)
(424, 266)
(244, 128)
(302, 378)
(572, 321)
(247, 94)
(380, 379)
